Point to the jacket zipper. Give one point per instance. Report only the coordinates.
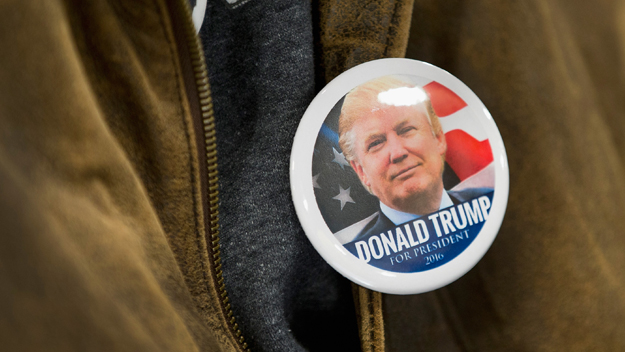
(193, 66)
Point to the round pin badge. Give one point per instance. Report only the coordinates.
(399, 176)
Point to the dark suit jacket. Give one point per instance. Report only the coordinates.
(381, 223)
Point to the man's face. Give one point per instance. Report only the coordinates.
(397, 156)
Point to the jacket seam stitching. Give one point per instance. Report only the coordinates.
(389, 29)
(371, 320)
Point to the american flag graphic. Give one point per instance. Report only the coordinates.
(345, 204)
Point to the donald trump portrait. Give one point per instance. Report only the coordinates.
(394, 141)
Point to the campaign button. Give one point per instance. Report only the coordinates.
(399, 176)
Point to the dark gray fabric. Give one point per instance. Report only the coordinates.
(261, 71)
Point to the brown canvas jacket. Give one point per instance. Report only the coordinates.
(106, 176)
(107, 163)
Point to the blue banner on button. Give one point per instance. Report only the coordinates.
(425, 243)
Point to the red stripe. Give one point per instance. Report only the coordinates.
(465, 154)
(444, 101)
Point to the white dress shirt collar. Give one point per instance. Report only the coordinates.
(399, 217)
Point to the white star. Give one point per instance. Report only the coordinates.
(315, 184)
(344, 196)
(339, 158)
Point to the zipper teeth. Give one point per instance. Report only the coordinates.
(208, 121)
